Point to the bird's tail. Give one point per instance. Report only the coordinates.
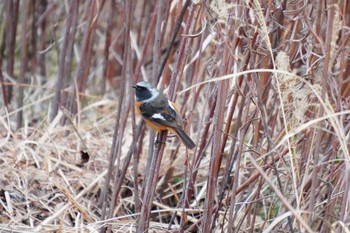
(186, 140)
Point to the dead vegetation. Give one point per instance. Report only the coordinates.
(262, 85)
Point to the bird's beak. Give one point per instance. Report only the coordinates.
(134, 86)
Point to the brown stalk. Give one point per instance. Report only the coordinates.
(216, 155)
(173, 38)
(148, 37)
(3, 87)
(181, 54)
(12, 12)
(23, 72)
(232, 212)
(197, 157)
(326, 74)
(85, 62)
(345, 6)
(42, 37)
(73, 10)
(154, 156)
(138, 149)
(33, 37)
(118, 133)
(107, 45)
(67, 77)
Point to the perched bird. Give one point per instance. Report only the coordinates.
(160, 113)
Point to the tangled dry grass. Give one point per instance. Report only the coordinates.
(262, 86)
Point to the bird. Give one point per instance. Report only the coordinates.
(160, 113)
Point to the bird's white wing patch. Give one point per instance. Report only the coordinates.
(158, 116)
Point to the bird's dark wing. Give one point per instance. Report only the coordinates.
(161, 114)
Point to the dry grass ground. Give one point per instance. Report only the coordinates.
(262, 85)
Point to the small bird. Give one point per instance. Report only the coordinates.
(160, 113)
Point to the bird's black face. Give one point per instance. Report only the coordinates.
(142, 92)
